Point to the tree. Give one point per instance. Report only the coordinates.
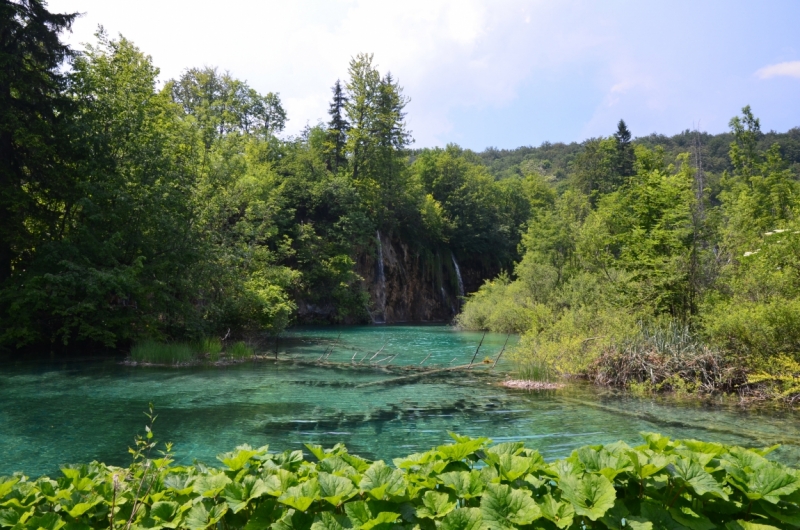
(34, 186)
(337, 129)
(624, 157)
(377, 138)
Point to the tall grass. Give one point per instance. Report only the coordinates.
(666, 358)
(208, 346)
(160, 353)
(535, 370)
(240, 350)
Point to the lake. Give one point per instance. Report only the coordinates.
(66, 411)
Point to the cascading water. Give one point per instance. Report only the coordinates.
(381, 279)
(458, 276)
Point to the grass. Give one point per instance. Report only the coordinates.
(666, 359)
(240, 350)
(208, 346)
(534, 370)
(160, 353)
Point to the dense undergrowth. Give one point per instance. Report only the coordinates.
(467, 485)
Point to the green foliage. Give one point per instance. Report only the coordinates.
(662, 483)
(240, 350)
(635, 248)
(160, 353)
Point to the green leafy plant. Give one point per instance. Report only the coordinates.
(466, 485)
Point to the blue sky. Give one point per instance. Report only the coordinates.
(500, 73)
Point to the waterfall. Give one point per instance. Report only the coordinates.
(381, 278)
(458, 275)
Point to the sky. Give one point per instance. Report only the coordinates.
(481, 73)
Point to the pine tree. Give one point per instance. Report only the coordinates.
(32, 110)
(624, 159)
(337, 129)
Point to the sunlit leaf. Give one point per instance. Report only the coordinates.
(505, 508)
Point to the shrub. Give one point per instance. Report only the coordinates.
(666, 358)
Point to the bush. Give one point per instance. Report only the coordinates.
(468, 485)
(666, 358)
(161, 353)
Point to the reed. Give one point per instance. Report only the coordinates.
(240, 350)
(161, 353)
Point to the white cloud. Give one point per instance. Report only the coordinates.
(787, 69)
(447, 54)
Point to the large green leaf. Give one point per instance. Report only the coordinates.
(758, 478)
(466, 485)
(748, 525)
(300, 497)
(462, 519)
(691, 519)
(179, 483)
(560, 513)
(435, 505)
(505, 508)
(646, 463)
(294, 520)
(513, 467)
(200, 517)
(237, 459)
(238, 495)
(601, 461)
(364, 518)
(211, 485)
(335, 465)
(462, 450)
(262, 516)
(590, 495)
(335, 490)
(619, 518)
(690, 473)
(47, 521)
(381, 481)
(166, 514)
(328, 521)
(6, 485)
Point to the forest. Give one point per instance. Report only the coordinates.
(137, 209)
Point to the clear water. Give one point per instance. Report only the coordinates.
(77, 411)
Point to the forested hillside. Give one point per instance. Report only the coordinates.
(659, 269)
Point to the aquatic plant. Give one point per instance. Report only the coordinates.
(210, 346)
(466, 485)
(161, 353)
(535, 370)
(240, 350)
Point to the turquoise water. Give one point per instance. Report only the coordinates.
(76, 411)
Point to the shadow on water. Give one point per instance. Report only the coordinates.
(53, 413)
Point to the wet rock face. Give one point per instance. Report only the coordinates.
(412, 286)
(415, 289)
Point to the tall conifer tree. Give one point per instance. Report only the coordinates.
(32, 109)
(337, 129)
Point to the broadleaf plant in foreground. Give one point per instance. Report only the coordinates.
(469, 485)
